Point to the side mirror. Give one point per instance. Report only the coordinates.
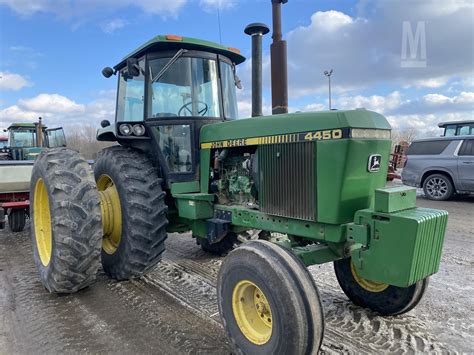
(107, 72)
(104, 123)
(5, 130)
(132, 67)
(238, 82)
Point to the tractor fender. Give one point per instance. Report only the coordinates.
(107, 134)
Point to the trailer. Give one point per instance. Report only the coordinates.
(14, 193)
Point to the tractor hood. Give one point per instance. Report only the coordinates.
(295, 127)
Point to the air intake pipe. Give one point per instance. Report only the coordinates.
(257, 31)
(278, 59)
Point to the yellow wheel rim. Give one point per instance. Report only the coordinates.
(42, 221)
(371, 286)
(111, 214)
(252, 312)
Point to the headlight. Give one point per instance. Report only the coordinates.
(371, 133)
(125, 129)
(138, 129)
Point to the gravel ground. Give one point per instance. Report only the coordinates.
(173, 309)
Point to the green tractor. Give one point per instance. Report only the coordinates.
(25, 141)
(313, 184)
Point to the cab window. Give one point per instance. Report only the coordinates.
(466, 130)
(56, 138)
(22, 138)
(189, 87)
(450, 130)
(228, 90)
(131, 93)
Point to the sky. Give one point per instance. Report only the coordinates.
(411, 60)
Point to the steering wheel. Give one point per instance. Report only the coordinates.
(201, 111)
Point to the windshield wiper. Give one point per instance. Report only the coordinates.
(168, 65)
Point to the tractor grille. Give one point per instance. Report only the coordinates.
(429, 243)
(288, 180)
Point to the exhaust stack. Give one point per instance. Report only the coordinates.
(39, 132)
(279, 65)
(257, 31)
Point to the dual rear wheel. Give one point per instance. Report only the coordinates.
(117, 219)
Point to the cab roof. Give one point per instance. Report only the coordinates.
(24, 125)
(444, 124)
(171, 42)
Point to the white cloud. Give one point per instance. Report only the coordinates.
(422, 113)
(431, 83)
(374, 102)
(330, 21)
(111, 26)
(438, 104)
(79, 8)
(51, 103)
(12, 81)
(425, 125)
(245, 108)
(315, 107)
(217, 4)
(58, 110)
(17, 114)
(365, 49)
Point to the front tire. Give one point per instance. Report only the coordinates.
(384, 299)
(438, 187)
(134, 236)
(17, 220)
(268, 301)
(66, 226)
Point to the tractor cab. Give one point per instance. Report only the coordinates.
(167, 90)
(25, 142)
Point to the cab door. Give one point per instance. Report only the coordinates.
(55, 137)
(466, 165)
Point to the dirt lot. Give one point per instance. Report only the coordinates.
(174, 310)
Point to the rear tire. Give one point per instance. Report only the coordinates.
(66, 226)
(268, 301)
(438, 187)
(17, 220)
(384, 299)
(142, 208)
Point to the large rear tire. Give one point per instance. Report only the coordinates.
(268, 301)
(384, 299)
(17, 219)
(66, 226)
(132, 195)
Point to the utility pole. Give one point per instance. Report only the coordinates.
(328, 74)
